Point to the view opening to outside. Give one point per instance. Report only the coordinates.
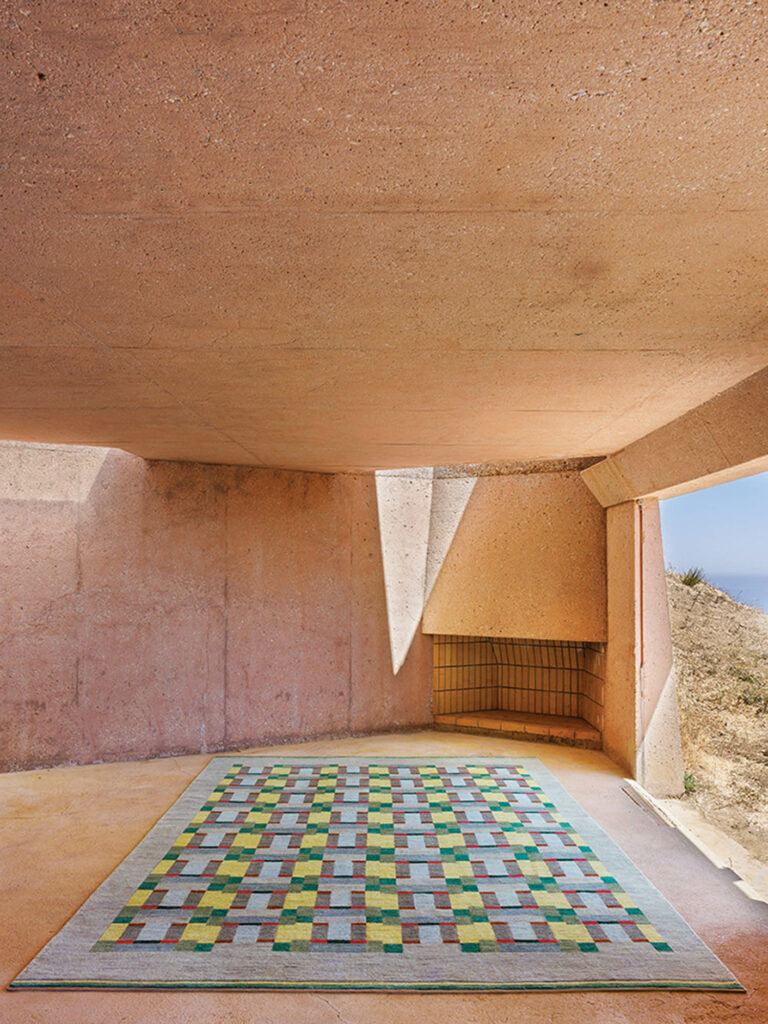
(716, 552)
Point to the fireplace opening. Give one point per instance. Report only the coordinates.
(526, 688)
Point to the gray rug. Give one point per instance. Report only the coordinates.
(393, 873)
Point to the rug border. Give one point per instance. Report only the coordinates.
(124, 876)
(672, 985)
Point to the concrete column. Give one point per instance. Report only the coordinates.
(620, 733)
(659, 755)
(641, 725)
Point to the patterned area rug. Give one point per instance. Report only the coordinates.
(356, 874)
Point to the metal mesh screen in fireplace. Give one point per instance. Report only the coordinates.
(551, 677)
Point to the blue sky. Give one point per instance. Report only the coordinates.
(722, 529)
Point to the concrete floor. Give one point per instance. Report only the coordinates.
(64, 829)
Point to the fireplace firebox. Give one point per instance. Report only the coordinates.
(528, 688)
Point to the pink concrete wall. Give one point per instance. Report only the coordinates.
(150, 608)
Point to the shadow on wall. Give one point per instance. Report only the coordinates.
(156, 608)
(419, 513)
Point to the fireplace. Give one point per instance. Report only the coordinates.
(527, 688)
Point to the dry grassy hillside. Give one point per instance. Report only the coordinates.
(721, 665)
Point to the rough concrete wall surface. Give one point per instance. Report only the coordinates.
(150, 608)
(527, 560)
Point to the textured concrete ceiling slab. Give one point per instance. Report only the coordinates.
(374, 235)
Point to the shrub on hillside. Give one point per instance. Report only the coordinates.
(691, 577)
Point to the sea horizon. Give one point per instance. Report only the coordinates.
(747, 588)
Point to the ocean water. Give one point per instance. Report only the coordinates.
(751, 589)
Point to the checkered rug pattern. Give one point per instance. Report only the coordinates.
(307, 858)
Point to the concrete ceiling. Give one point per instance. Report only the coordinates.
(339, 236)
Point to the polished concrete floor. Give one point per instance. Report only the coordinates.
(63, 830)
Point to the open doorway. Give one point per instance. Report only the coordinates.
(716, 552)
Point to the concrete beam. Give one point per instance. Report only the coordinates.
(723, 439)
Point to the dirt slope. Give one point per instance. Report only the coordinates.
(721, 665)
